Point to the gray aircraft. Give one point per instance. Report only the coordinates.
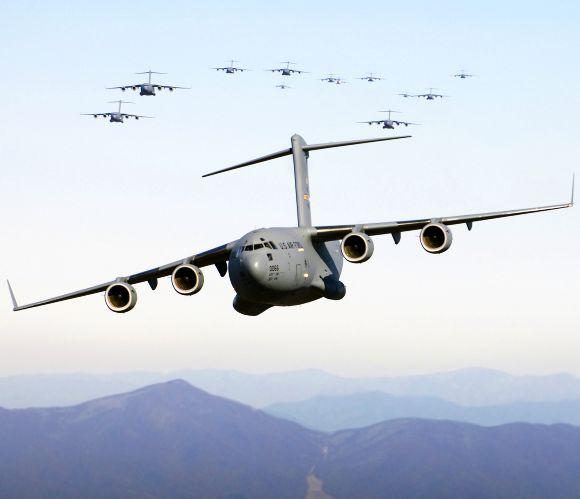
(463, 75)
(285, 266)
(117, 116)
(149, 87)
(388, 123)
(428, 96)
(287, 70)
(281, 86)
(370, 77)
(231, 69)
(332, 78)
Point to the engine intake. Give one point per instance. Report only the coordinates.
(120, 297)
(187, 279)
(436, 238)
(357, 247)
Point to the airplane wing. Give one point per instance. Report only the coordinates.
(335, 232)
(213, 256)
(136, 116)
(104, 115)
(406, 123)
(171, 87)
(372, 122)
(125, 87)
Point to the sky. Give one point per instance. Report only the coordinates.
(84, 201)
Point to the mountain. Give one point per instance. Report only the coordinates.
(473, 386)
(444, 459)
(333, 413)
(166, 440)
(174, 440)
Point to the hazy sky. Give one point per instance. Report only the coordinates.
(84, 201)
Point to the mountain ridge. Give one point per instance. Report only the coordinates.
(174, 440)
(468, 386)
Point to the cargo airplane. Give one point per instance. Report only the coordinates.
(285, 266)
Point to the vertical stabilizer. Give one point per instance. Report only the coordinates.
(300, 157)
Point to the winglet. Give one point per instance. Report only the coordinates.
(12, 296)
(572, 197)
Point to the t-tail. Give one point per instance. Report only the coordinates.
(150, 73)
(300, 152)
(120, 102)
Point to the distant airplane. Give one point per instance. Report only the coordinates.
(428, 96)
(331, 78)
(285, 266)
(281, 86)
(117, 116)
(148, 88)
(388, 123)
(231, 69)
(370, 77)
(287, 70)
(463, 75)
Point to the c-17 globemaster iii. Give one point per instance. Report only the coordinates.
(148, 88)
(284, 266)
(117, 116)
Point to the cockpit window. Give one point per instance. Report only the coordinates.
(273, 245)
(258, 246)
(249, 247)
(267, 245)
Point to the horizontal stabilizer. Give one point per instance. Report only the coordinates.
(268, 157)
(329, 145)
(305, 148)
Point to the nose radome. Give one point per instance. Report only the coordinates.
(255, 266)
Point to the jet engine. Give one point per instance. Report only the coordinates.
(187, 279)
(436, 238)
(357, 247)
(120, 297)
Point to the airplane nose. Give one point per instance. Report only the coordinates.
(255, 266)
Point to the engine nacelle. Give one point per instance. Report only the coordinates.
(436, 238)
(357, 247)
(187, 279)
(120, 297)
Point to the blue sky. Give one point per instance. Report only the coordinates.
(85, 200)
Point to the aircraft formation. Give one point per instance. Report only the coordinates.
(287, 70)
(285, 266)
(147, 88)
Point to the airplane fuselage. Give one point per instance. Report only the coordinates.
(283, 267)
(116, 118)
(147, 89)
(388, 124)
